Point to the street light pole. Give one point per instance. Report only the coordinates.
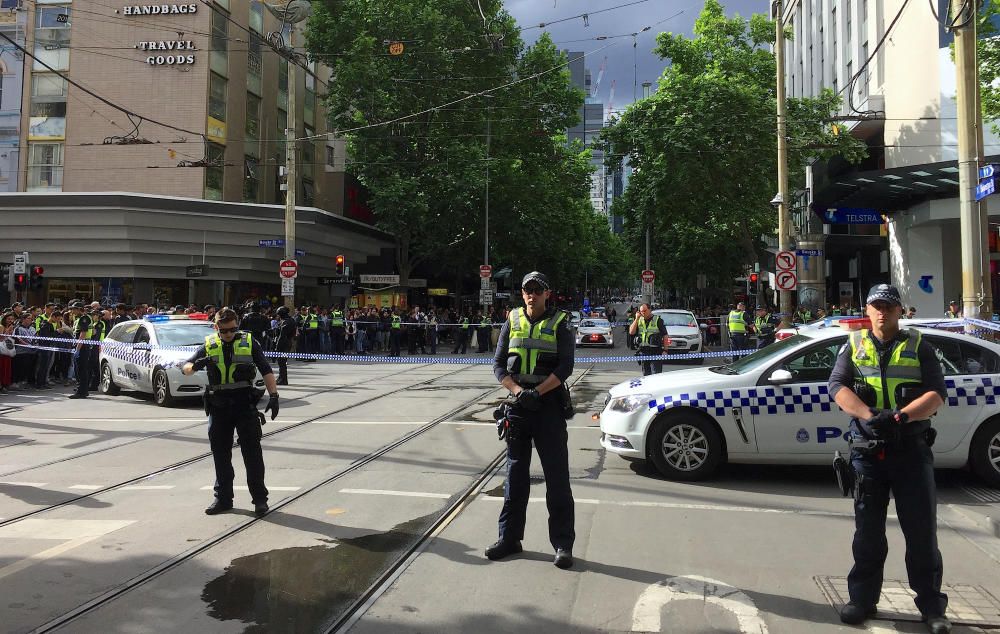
(784, 242)
(486, 232)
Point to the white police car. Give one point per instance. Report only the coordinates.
(773, 407)
(145, 355)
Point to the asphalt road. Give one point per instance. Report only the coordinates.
(102, 527)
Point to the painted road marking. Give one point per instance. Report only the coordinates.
(148, 487)
(694, 507)
(25, 484)
(246, 488)
(75, 532)
(86, 487)
(412, 494)
(646, 613)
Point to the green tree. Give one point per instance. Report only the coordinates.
(988, 47)
(703, 148)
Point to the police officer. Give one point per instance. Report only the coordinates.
(461, 334)
(230, 357)
(394, 333)
(534, 358)
(738, 328)
(283, 337)
(83, 331)
(890, 382)
(765, 325)
(337, 327)
(255, 323)
(953, 310)
(483, 333)
(650, 335)
(44, 358)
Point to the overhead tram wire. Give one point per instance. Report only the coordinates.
(542, 25)
(849, 86)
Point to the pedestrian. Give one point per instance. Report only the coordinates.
(953, 310)
(230, 356)
(738, 329)
(394, 332)
(650, 336)
(43, 361)
(255, 323)
(765, 325)
(83, 333)
(432, 329)
(911, 312)
(7, 351)
(338, 330)
(461, 335)
(534, 359)
(483, 332)
(283, 337)
(890, 382)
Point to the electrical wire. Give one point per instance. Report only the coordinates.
(542, 25)
(849, 87)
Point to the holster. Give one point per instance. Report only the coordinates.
(567, 402)
(846, 475)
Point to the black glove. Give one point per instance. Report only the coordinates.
(530, 400)
(883, 424)
(201, 364)
(272, 406)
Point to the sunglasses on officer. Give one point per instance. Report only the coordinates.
(533, 289)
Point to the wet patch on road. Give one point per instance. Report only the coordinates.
(301, 589)
(497, 492)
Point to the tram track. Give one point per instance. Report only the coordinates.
(381, 583)
(207, 455)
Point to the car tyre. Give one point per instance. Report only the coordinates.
(107, 384)
(161, 388)
(684, 446)
(984, 452)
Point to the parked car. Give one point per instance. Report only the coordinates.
(595, 332)
(683, 332)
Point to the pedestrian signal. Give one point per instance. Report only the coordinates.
(37, 277)
(20, 281)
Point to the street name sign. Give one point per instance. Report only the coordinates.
(986, 187)
(196, 270)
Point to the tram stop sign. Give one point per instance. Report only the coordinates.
(288, 269)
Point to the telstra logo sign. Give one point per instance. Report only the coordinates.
(925, 283)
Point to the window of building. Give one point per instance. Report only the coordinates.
(282, 121)
(331, 156)
(45, 167)
(215, 173)
(217, 97)
(256, 16)
(252, 125)
(51, 38)
(282, 84)
(47, 87)
(223, 3)
(309, 108)
(863, 80)
(848, 30)
(219, 57)
(255, 63)
(308, 193)
(308, 154)
(251, 179)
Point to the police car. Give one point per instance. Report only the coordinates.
(595, 332)
(773, 407)
(145, 355)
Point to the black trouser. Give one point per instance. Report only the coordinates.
(739, 341)
(42, 367)
(907, 472)
(483, 335)
(461, 340)
(312, 342)
(337, 336)
(547, 428)
(282, 370)
(83, 364)
(433, 336)
(394, 341)
(222, 421)
(651, 367)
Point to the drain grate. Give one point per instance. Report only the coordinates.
(967, 604)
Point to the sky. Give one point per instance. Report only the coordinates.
(676, 16)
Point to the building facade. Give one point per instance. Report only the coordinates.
(12, 25)
(902, 105)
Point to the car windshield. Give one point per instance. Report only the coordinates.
(183, 335)
(595, 323)
(678, 319)
(762, 357)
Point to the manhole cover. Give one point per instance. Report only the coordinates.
(967, 604)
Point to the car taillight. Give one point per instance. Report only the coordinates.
(667, 340)
(782, 335)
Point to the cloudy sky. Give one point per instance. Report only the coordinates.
(676, 16)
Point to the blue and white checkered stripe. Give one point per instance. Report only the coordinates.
(798, 399)
(983, 391)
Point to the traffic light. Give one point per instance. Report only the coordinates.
(37, 279)
(753, 278)
(20, 281)
(339, 265)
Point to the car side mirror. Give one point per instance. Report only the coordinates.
(780, 376)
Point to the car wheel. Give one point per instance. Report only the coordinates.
(107, 385)
(984, 453)
(161, 389)
(684, 446)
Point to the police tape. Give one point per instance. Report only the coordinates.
(123, 350)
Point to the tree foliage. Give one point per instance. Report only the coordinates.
(704, 148)
(427, 174)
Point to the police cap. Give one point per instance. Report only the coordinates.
(884, 293)
(535, 276)
(282, 311)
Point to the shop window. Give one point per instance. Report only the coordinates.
(45, 167)
(217, 97)
(215, 173)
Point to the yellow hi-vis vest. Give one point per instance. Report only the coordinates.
(647, 329)
(242, 355)
(87, 334)
(337, 319)
(465, 323)
(396, 322)
(311, 322)
(736, 324)
(903, 367)
(532, 352)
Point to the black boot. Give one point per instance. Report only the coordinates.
(502, 549)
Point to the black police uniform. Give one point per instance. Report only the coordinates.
(905, 469)
(85, 355)
(235, 410)
(283, 338)
(547, 429)
(652, 347)
(257, 325)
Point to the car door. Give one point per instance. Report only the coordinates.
(117, 353)
(140, 368)
(970, 373)
(797, 416)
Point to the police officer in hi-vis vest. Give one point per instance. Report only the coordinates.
(650, 336)
(230, 357)
(738, 328)
(534, 359)
(890, 382)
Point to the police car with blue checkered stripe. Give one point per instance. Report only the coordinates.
(144, 355)
(773, 407)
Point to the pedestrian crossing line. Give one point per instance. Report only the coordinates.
(37, 485)
(412, 494)
(246, 488)
(87, 487)
(148, 487)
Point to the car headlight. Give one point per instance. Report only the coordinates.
(629, 403)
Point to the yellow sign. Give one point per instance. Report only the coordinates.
(216, 130)
(396, 48)
(440, 292)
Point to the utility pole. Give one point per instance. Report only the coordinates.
(784, 243)
(645, 93)
(486, 233)
(290, 171)
(975, 269)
